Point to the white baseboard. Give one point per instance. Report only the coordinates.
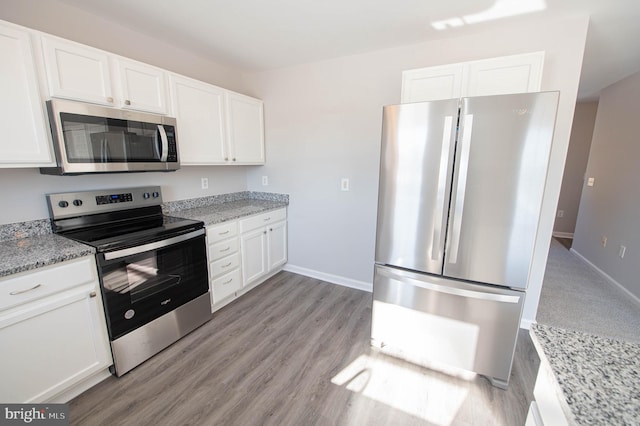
(330, 278)
(563, 235)
(608, 278)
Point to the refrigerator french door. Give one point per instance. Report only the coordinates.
(461, 187)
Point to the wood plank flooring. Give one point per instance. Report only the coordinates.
(295, 351)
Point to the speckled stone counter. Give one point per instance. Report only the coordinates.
(30, 245)
(36, 251)
(211, 211)
(599, 377)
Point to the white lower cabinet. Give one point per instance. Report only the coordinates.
(225, 277)
(52, 333)
(263, 243)
(244, 253)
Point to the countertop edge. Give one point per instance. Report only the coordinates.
(544, 361)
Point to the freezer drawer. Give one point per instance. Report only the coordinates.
(435, 321)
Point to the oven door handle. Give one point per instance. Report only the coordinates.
(152, 246)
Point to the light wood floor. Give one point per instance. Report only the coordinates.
(295, 351)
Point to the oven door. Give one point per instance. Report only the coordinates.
(142, 283)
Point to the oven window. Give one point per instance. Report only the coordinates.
(89, 139)
(142, 287)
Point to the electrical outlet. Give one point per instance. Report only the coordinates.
(621, 252)
(591, 181)
(204, 183)
(344, 184)
(560, 213)
(265, 180)
(603, 241)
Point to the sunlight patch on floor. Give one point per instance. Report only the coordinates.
(410, 390)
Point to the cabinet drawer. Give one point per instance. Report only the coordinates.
(226, 285)
(223, 249)
(224, 265)
(221, 232)
(262, 219)
(43, 282)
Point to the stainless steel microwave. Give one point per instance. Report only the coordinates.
(90, 138)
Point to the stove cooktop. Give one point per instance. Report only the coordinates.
(129, 233)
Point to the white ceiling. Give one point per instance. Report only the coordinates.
(257, 35)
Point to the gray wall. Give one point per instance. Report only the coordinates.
(23, 189)
(611, 207)
(323, 123)
(581, 133)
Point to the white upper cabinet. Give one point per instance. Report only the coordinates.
(82, 73)
(245, 129)
(508, 74)
(216, 126)
(495, 76)
(143, 87)
(433, 83)
(199, 109)
(77, 72)
(25, 141)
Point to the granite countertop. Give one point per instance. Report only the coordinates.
(599, 377)
(30, 245)
(217, 213)
(36, 251)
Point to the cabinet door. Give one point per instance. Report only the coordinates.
(504, 75)
(277, 252)
(24, 141)
(199, 110)
(77, 72)
(54, 344)
(245, 129)
(433, 83)
(143, 87)
(254, 255)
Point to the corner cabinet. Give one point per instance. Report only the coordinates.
(25, 141)
(216, 126)
(53, 333)
(494, 76)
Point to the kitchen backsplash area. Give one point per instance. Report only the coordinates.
(19, 230)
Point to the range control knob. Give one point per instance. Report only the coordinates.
(77, 203)
(145, 195)
(63, 204)
(156, 194)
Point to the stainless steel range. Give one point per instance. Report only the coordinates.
(152, 267)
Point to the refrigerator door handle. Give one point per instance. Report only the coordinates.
(449, 287)
(438, 235)
(465, 147)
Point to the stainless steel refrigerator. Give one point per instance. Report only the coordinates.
(461, 187)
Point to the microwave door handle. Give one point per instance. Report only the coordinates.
(165, 143)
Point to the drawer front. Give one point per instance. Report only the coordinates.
(223, 249)
(43, 282)
(262, 219)
(225, 265)
(221, 232)
(226, 285)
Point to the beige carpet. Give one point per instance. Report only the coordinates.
(576, 297)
